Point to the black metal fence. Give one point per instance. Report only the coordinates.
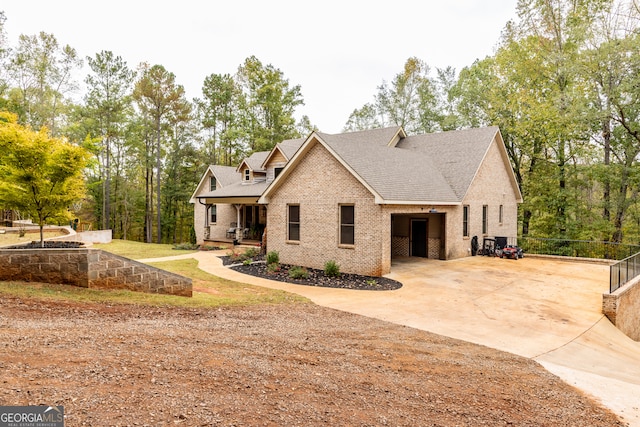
(623, 272)
(577, 248)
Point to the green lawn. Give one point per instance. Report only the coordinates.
(139, 250)
(13, 238)
(215, 291)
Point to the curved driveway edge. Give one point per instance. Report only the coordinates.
(546, 310)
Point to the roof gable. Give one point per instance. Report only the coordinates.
(225, 176)
(254, 161)
(286, 148)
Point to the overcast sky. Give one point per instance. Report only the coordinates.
(337, 51)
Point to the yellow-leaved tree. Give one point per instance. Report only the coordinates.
(40, 176)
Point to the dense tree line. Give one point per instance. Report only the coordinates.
(150, 143)
(563, 86)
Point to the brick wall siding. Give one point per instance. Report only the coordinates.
(622, 308)
(319, 184)
(89, 268)
(491, 187)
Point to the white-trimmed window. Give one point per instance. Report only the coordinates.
(347, 224)
(465, 221)
(293, 223)
(501, 214)
(247, 175)
(213, 214)
(485, 219)
(212, 183)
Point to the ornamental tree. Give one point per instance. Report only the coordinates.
(40, 176)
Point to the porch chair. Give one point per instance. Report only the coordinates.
(231, 231)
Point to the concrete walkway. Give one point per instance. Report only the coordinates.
(546, 310)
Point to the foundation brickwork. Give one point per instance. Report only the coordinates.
(89, 268)
(622, 308)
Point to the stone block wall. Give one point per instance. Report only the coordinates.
(622, 308)
(89, 268)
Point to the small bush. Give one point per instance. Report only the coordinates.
(247, 261)
(235, 257)
(331, 269)
(251, 253)
(298, 273)
(210, 248)
(274, 267)
(185, 247)
(273, 257)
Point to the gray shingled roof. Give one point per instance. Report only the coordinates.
(290, 146)
(457, 154)
(428, 168)
(256, 159)
(381, 136)
(436, 168)
(238, 189)
(226, 175)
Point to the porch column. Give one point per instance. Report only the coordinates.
(207, 230)
(238, 224)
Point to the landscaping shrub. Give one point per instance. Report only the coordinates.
(298, 273)
(331, 269)
(185, 247)
(235, 257)
(248, 254)
(251, 253)
(273, 257)
(274, 267)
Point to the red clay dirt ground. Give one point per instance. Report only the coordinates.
(268, 365)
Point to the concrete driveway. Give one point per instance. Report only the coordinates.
(542, 309)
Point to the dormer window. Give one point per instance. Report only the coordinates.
(212, 183)
(277, 171)
(247, 175)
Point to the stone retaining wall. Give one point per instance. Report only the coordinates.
(89, 268)
(623, 308)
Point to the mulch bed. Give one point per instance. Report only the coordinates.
(48, 245)
(316, 277)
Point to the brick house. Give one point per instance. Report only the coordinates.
(362, 198)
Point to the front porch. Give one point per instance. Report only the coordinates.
(224, 242)
(235, 223)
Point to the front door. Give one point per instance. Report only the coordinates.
(419, 237)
